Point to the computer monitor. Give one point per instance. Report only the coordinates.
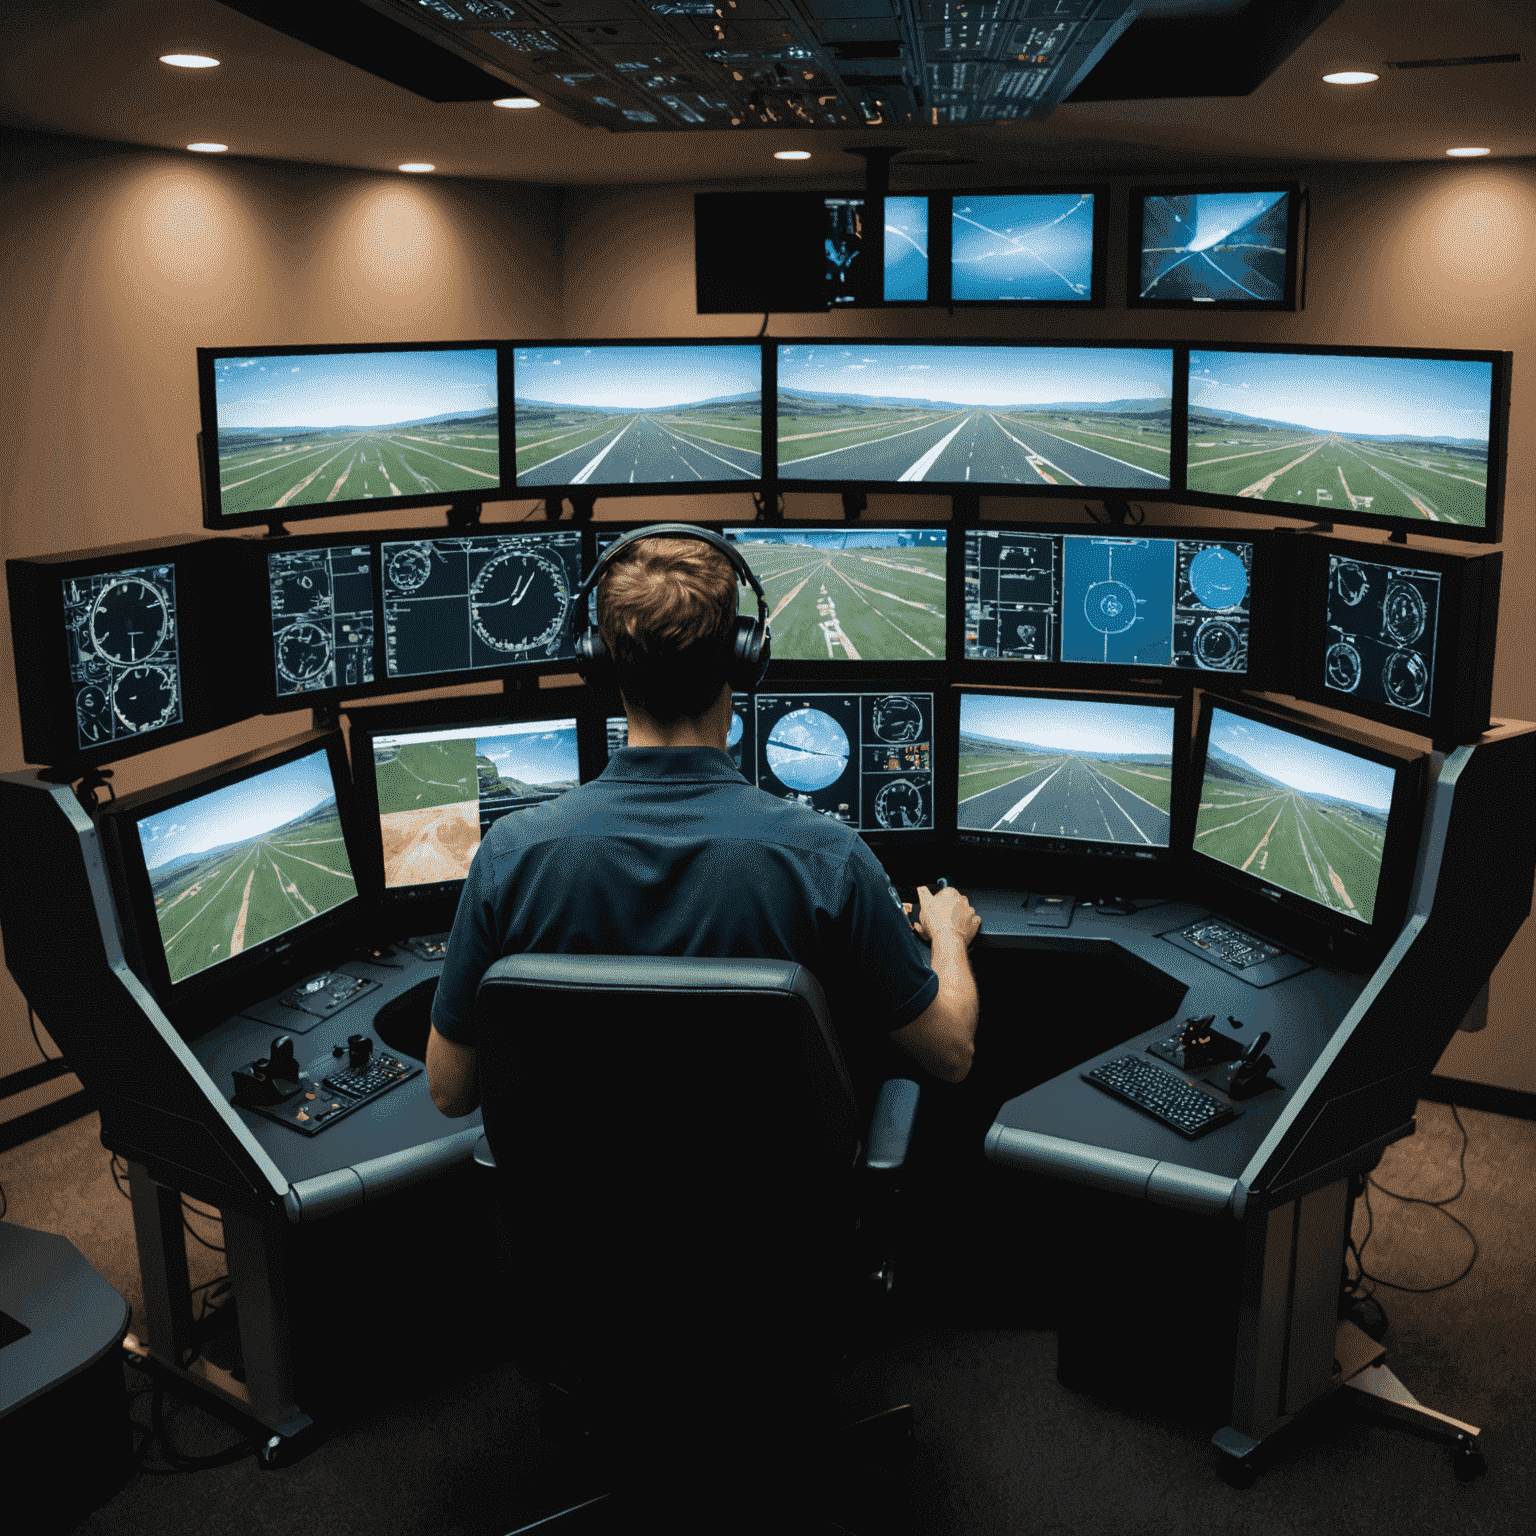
(1311, 829)
(782, 252)
(459, 606)
(964, 417)
(1041, 246)
(1403, 636)
(235, 876)
(1407, 440)
(624, 418)
(320, 601)
(1220, 247)
(906, 264)
(433, 779)
(847, 593)
(129, 647)
(299, 432)
(1182, 601)
(1071, 776)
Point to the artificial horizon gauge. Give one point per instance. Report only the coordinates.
(409, 568)
(1218, 646)
(144, 698)
(1405, 679)
(1218, 577)
(901, 805)
(1403, 613)
(129, 621)
(897, 719)
(303, 652)
(519, 601)
(1343, 667)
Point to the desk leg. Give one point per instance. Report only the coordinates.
(157, 1231)
(254, 1251)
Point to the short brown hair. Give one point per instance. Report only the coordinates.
(666, 609)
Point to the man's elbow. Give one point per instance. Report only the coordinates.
(455, 1107)
(954, 1065)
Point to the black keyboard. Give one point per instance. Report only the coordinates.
(1189, 1110)
(381, 1072)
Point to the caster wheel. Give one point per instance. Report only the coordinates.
(1467, 1462)
(1237, 1474)
(283, 1450)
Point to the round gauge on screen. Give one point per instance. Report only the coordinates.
(897, 719)
(1218, 577)
(130, 620)
(409, 568)
(1405, 678)
(519, 601)
(1404, 613)
(1343, 667)
(303, 652)
(299, 591)
(901, 806)
(1350, 582)
(144, 698)
(1218, 646)
(1110, 606)
(807, 749)
(93, 714)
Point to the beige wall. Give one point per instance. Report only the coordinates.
(120, 261)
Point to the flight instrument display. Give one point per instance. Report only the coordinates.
(865, 759)
(1107, 599)
(124, 655)
(479, 601)
(1382, 626)
(322, 617)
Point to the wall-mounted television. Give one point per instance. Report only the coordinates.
(1036, 246)
(783, 252)
(1214, 247)
(300, 432)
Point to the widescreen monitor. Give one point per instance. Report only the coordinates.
(971, 416)
(1405, 440)
(1036, 247)
(1220, 247)
(848, 593)
(1076, 774)
(228, 870)
(298, 432)
(460, 605)
(1183, 601)
(1317, 821)
(626, 418)
(320, 602)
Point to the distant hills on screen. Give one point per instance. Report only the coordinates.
(997, 742)
(481, 418)
(752, 397)
(1114, 407)
(1208, 417)
(1226, 766)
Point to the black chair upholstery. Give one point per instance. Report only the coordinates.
(681, 1169)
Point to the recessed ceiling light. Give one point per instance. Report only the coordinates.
(1466, 154)
(515, 101)
(417, 165)
(1351, 77)
(189, 60)
(208, 149)
(791, 154)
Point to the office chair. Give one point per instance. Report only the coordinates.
(698, 1224)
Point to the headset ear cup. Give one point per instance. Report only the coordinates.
(592, 656)
(749, 655)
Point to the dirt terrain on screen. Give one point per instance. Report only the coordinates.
(432, 844)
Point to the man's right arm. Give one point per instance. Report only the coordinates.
(942, 1038)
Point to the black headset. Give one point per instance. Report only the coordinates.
(748, 650)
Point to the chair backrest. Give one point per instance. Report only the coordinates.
(675, 1140)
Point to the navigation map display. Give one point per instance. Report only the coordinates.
(865, 759)
(1085, 770)
(887, 413)
(478, 601)
(1108, 599)
(439, 791)
(1022, 247)
(849, 593)
(321, 602)
(318, 428)
(1383, 623)
(124, 652)
(1216, 247)
(1394, 437)
(239, 866)
(906, 250)
(1299, 814)
(638, 415)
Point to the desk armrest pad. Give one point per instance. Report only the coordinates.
(890, 1131)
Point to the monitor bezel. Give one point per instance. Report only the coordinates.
(214, 517)
(1137, 211)
(407, 908)
(1301, 924)
(1178, 396)
(208, 996)
(1498, 440)
(603, 490)
(1266, 639)
(1098, 285)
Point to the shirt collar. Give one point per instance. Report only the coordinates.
(675, 764)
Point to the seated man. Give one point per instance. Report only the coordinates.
(671, 852)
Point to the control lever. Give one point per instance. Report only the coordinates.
(1248, 1075)
(360, 1048)
(269, 1079)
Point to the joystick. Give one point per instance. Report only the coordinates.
(359, 1049)
(269, 1079)
(1248, 1075)
(1196, 1046)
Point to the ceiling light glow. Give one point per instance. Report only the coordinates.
(791, 154)
(1466, 154)
(417, 165)
(189, 60)
(1351, 77)
(208, 149)
(515, 101)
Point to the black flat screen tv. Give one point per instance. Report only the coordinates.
(1215, 247)
(1036, 246)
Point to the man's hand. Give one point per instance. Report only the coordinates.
(944, 911)
(943, 1037)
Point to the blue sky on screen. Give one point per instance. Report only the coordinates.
(1044, 240)
(1207, 218)
(535, 751)
(1382, 396)
(1305, 765)
(1080, 725)
(906, 248)
(238, 812)
(353, 389)
(831, 538)
(979, 375)
(635, 378)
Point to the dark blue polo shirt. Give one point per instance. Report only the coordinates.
(672, 852)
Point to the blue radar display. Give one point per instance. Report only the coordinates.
(808, 750)
(1118, 601)
(1218, 578)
